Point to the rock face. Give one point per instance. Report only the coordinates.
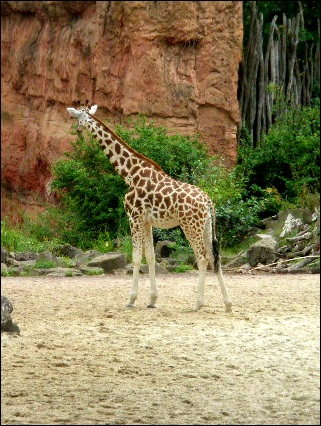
(175, 62)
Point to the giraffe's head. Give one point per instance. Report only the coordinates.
(81, 114)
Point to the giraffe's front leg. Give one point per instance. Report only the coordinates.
(137, 240)
(150, 258)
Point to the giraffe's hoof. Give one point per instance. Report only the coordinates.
(198, 306)
(151, 306)
(228, 307)
(129, 305)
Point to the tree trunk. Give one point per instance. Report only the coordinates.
(274, 79)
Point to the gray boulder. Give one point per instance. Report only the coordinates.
(109, 261)
(6, 309)
(263, 251)
(61, 272)
(45, 255)
(4, 269)
(83, 258)
(66, 250)
(6, 320)
(4, 255)
(277, 222)
(144, 269)
(25, 256)
(163, 249)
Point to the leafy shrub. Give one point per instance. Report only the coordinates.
(45, 264)
(183, 158)
(173, 234)
(11, 239)
(183, 268)
(221, 183)
(21, 238)
(236, 217)
(91, 193)
(289, 158)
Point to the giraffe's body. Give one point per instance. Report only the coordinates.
(154, 199)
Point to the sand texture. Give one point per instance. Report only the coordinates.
(83, 358)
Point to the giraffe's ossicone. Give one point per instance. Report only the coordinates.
(154, 199)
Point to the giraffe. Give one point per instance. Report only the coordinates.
(154, 199)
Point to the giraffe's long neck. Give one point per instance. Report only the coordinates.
(127, 162)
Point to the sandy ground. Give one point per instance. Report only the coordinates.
(84, 358)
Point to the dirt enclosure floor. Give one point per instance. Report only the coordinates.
(83, 358)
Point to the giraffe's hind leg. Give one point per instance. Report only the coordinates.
(215, 262)
(197, 243)
(226, 297)
(202, 246)
(202, 267)
(150, 258)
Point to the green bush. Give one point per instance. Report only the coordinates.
(281, 170)
(45, 264)
(289, 157)
(22, 238)
(236, 216)
(183, 158)
(91, 192)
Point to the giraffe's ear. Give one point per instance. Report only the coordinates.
(93, 109)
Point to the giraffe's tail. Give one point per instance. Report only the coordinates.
(216, 255)
(215, 244)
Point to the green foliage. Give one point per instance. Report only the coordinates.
(21, 238)
(221, 183)
(311, 11)
(93, 272)
(239, 246)
(173, 234)
(103, 243)
(183, 268)
(283, 171)
(126, 246)
(91, 194)
(10, 238)
(237, 216)
(42, 229)
(183, 158)
(288, 160)
(45, 264)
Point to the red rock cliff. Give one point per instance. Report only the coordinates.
(176, 62)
